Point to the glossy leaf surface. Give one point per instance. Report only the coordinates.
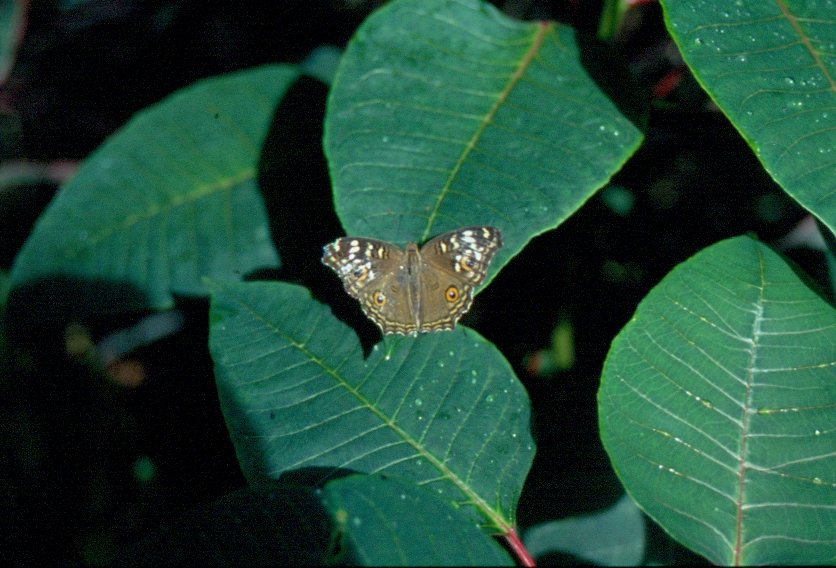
(718, 408)
(443, 410)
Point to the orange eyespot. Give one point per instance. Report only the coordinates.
(379, 298)
(452, 294)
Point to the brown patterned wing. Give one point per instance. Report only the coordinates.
(454, 264)
(374, 272)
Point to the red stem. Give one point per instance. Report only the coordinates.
(518, 549)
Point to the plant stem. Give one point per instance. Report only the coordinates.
(513, 541)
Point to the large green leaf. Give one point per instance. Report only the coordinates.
(718, 408)
(446, 113)
(770, 65)
(443, 410)
(386, 522)
(171, 197)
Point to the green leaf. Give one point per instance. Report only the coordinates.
(613, 537)
(447, 113)
(12, 26)
(771, 68)
(171, 197)
(718, 408)
(443, 410)
(386, 522)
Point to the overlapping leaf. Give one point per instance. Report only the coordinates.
(446, 113)
(171, 197)
(443, 410)
(12, 24)
(718, 408)
(771, 67)
(385, 522)
(615, 536)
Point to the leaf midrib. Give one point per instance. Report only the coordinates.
(805, 40)
(514, 79)
(475, 499)
(160, 209)
(747, 404)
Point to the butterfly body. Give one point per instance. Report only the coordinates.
(414, 290)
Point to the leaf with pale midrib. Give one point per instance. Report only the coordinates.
(443, 409)
(169, 198)
(447, 114)
(771, 67)
(718, 408)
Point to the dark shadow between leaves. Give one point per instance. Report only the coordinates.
(609, 73)
(39, 311)
(293, 177)
(273, 524)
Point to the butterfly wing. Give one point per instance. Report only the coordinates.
(411, 291)
(373, 272)
(454, 264)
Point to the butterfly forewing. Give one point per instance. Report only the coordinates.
(467, 252)
(361, 262)
(415, 290)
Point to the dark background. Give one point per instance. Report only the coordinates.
(94, 460)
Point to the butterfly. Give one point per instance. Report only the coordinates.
(416, 289)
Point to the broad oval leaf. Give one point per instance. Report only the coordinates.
(443, 410)
(718, 408)
(171, 197)
(446, 113)
(386, 522)
(771, 67)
